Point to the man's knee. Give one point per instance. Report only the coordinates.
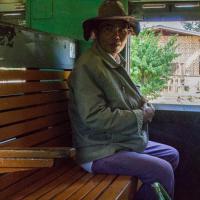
(159, 170)
(166, 169)
(174, 158)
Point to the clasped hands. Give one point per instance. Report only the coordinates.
(148, 112)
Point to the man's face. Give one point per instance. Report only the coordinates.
(112, 36)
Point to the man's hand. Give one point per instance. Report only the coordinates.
(148, 112)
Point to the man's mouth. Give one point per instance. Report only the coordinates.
(115, 43)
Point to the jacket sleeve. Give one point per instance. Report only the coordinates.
(93, 109)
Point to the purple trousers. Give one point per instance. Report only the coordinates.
(156, 164)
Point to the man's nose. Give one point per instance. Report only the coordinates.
(116, 32)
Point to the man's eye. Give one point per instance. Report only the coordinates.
(108, 28)
(123, 30)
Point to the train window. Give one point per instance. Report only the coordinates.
(178, 19)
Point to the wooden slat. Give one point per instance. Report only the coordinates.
(37, 138)
(55, 187)
(32, 125)
(74, 187)
(33, 75)
(11, 170)
(61, 141)
(9, 179)
(37, 152)
(118, 186)
(25, 182)
(139, 184)
(90, 185)
(32, 112)
(30, 100)
(54, 174)
(23, 162)
(31, 140)
(130, 191)
(12, 178)
(31, 87)
(99, 189)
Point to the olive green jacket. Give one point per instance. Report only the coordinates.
(104, 107)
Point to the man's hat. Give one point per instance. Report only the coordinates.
(109, 10)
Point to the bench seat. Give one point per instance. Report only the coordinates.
(36, 154)
(66, 181)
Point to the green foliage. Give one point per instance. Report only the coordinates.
(151, 62)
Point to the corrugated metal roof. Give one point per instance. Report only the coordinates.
(175, 30)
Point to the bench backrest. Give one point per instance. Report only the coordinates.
(33, 103)
(33, 113)
(33, 108)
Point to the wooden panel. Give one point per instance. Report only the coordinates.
(32, 112)
(32, 125)
(30, 87)
(116, 188)
(37, 138)
(54, 174)
(33, 75)
(20, 162)
(37, 152)
(33, 99)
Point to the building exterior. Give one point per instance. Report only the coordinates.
(184, 84)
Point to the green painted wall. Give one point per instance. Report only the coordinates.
(63, 17)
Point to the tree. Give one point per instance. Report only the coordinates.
(151, 63)
(192, 26)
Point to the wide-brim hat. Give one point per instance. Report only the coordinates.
(109, 10)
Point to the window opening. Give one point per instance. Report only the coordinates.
(182, 20)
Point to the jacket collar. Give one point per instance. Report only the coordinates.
(107, 58)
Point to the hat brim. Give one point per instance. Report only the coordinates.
(90, 24)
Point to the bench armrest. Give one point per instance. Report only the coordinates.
(17, 159)
(37, 152)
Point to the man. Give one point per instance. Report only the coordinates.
(108, 114)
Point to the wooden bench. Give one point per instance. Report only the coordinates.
(35, 143)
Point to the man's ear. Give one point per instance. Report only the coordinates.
(131, 31)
